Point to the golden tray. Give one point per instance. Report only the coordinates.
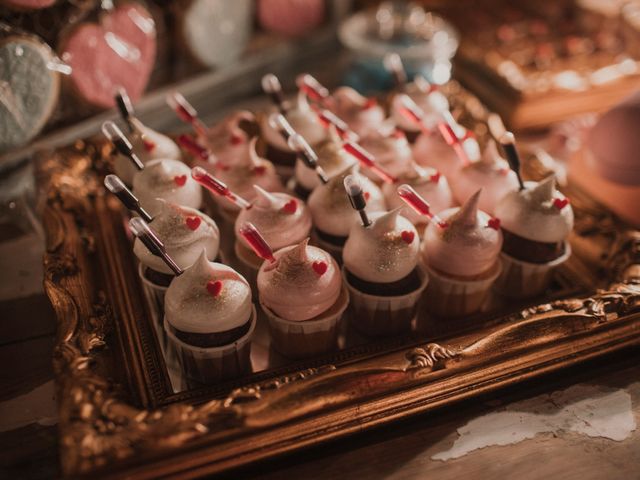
(121, 416)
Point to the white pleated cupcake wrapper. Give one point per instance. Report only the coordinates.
(207, 365)
(156, 294)
(449, 297)
(521, 279)
(334, 250)
(376, 315)
(288, 336)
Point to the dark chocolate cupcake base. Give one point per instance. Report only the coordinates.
(530, 251)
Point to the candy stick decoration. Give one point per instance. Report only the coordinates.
(217, 187)
(116, 186)
(125, 107)
(298, 144)
(367, 160)
(415, 113)
(419, 204)
(194, 148)
(329, 118)
(508, 143)
(256, 241)
(122, 143)
(356, 197)
(271, 86)
(150, 239)
(393, 63)
(186, 112)
(312, 88)
(282, 125)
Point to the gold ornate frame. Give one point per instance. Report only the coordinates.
(118, 417)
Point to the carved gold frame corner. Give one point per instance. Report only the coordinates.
(109, 428)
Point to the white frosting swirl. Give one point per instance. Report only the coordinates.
(303, 283)
(169, 180)
(428, 183)
(331, 157)
(185, 232)
(301, 118)
(432, 151)
(537, 213)
(360, 113)
(331, 209)
(147, 145)
(226, 140)
(190, 307)
(281, 219)
(467, 247)
(491, 173)
(384, 252)
(244, 173)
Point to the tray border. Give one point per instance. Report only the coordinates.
(104, 433)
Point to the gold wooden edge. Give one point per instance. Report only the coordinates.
(98, 425)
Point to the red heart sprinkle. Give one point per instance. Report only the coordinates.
(494, 223)
(435, 177)
(399, 134)
(320, 267)
(235, 139)
(148, 145)
(259, 170)
(214, 287)
(180, 180)
(443, 224)
(560, 203)
(193, 222)
(370, 103)
(290, 207)
(408, 236)
(366, 195)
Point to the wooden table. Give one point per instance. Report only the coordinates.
(558, 413)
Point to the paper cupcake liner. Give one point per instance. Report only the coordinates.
(334, 250)
(375, 315)
(452, 297)
(210, 365)
(155, 293)
(310, 337)
(247, 264)
(521, 279)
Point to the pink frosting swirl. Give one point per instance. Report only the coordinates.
(468, 246)
(430, 150)
(227, 141)
(390, 149)
(244, 173)
(428, 183)
(362, 114)
(303, 282)
(282, 219)
(491, 173)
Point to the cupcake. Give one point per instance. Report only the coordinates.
(169, 180)
(302, 295)
(332, 158)
(186, 233)
(391, 151)
(331, 210)
(304, 121)
(209, 321)
(460, 252)
(432, 150)
(536, 222)
(228, 141)
(382, 274)
(428, 183)
(282, 220)
(491, 173)
(431, 102)
(242, 175)
(362, 114)
(148, 145)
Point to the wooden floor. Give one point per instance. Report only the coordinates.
(483, 433)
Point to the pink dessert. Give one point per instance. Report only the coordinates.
(390, 149)
(30, 4)
(362, 114)
(432, 150)
(120, 51)
(227, 141)
(291, 18)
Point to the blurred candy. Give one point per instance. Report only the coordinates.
(291, 18)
